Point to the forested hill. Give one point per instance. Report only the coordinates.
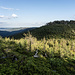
(29, 56)
(6, 32)
(56, 29)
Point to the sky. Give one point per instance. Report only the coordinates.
(34, 13)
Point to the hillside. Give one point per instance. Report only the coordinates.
(56, 29)
(52, 55)
(55, 56)
(6, 32)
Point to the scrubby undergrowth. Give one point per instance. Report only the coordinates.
(16, 56)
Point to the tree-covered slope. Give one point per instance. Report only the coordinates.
(55, 56)
(6, 32)
(56, 29)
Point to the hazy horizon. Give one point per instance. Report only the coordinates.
(34, 13)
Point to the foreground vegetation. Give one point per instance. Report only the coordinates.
(56, 56)
(56, 51)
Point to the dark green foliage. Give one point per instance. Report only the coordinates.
(55, 31)
(26, 64)
(16, 56)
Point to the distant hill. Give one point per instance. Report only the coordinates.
(6, 32)
(56, 29)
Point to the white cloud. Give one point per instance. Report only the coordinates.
(14, 16)
(1, 16)
(17, 9)
(9, 17)
(6, 8)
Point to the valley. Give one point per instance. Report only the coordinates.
(6, 32)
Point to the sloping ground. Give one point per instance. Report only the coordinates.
(13, 31)
(21, 34)
(56, 56)
(17, 59)
(56, 29)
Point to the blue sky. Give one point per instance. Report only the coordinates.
(34, 13)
